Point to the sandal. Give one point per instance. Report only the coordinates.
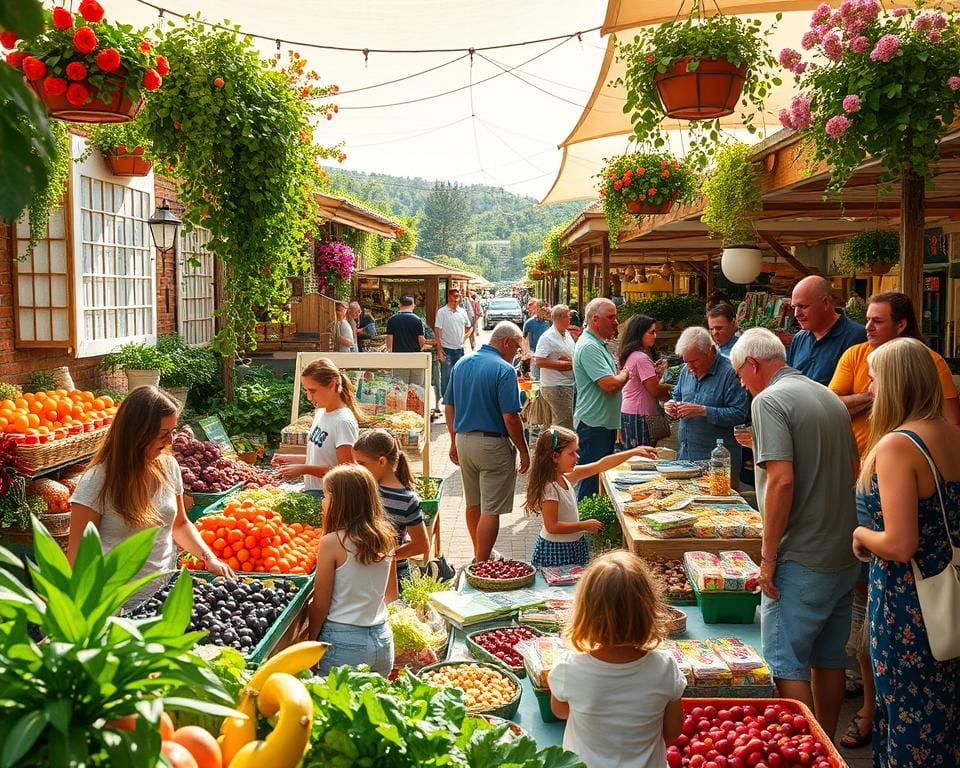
(853, 737)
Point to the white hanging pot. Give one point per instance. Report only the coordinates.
(741, 263)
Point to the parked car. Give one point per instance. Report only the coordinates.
(502, 309)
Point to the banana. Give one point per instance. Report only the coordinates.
(286, 743)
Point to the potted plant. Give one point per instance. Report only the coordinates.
(642, 183)
(696, 69)
(124, 147)
(88, 69)
(143, 364)
(877, 250)
(188, 365)
(733, 197)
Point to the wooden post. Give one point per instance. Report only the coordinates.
(566, 296)
(605, 268)
(912, 222)
(580, 282)
(709, 278)
(432, 299)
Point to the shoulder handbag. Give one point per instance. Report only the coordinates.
(939, 594)
(658, 425)
(537, 412)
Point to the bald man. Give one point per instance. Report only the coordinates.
(825, 335)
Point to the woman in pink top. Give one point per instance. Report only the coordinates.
(643, 389)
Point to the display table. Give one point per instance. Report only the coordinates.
(641, 542)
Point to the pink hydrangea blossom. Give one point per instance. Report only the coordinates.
(934, 36)
(789, 58)
(859, 44)
(800, 112)
(832, 48)
(821, 14)
(810, 39)
(954, 83)
(886, 48)
(837, 126)
(930, 21)
(851, 103)
(898, 12)
(786, 119)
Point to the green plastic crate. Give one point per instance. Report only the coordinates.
(202, 501)
(543, 701)
(430, 506)
(727, 607)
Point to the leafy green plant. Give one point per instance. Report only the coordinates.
(261, 403)
(41, 381)
(136, 357)
(876, 246)
(630, 182)
(733, 196)
(115, 394)
(741, 41)
(93, 665)
(597, 507)
(416, 589)
(49, 196)
(119, 137)
(669, 310)
(189, 365)
(299, 508)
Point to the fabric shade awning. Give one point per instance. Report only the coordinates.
(350, 214)
(414, 268)
(623, 14)
(479, 281)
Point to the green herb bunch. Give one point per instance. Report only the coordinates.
(669, 310)
(601, 508)
(299, 508)
(416, 589)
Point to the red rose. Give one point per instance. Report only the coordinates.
(163, 68)
(146, 46)
(33, 68)
(121, 149)
(108, 59)
(62, 18)
(305, 92)
(625, 181)
(76, 71)
(77, 94)
(618, 185)
(652, 191)
(15, 58)
(55, 86)
(151, 80)
(137, 150)
(84, 39)
(649, 58)
(176, 125)
(666, 174)
(218, 81)
(674, 165)
(8, 39)
(91, 10)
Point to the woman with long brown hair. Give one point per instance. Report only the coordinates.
(134, 483)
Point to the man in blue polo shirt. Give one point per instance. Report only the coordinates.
(826, 335)
(483, 418)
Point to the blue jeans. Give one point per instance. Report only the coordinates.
(595, 443)
(450, 357)
(352, 645)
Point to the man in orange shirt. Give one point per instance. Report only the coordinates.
(889, 315)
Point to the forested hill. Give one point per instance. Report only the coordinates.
(486, 228)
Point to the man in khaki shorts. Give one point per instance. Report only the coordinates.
(483, 418)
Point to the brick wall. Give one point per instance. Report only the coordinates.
(17, 365)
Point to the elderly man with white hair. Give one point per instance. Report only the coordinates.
(707, 398)
(554, 356)
(805, 457)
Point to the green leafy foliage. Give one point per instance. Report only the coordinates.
(261, 403)
(50, 196)
(299, 508)
(137, 357)
(733, 196)
(597, 507)
(742, 41)
(189, 365)
(416, 589)
(41, 381)
(668, 310)
(108, 137)
(93, 664)
(866, 248)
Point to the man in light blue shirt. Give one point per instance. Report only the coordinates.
(707, 398)
(722, 322)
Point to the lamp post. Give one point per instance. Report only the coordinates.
(164, 225)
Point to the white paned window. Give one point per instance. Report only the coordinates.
(42, 283)
(115, 266)
(195, 280)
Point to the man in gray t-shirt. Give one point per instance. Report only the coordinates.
(805, 457)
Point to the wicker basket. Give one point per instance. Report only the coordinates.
(498, 585)
(675, 621)
(57, 523)
(481, 653)
(51, 454)
(505, 711)
(496, 722)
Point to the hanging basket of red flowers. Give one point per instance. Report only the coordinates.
(127, 162)
(86, 69)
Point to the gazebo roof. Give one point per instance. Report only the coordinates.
(351, 214)
(415, 267)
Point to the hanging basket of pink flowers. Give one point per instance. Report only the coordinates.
(332, 266)
(86, 69)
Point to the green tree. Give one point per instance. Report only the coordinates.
(445, 222)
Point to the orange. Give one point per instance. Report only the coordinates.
(20, 423)
(166, 726)
(61, 392)
(37, 406)
(178, 755)
(29, 396)
(233, 563)
(64, 408)
(33, 420)
(8, 404)
(7, 413)
(43, 430)
(51, 415)
(22, 404)
(76, 412)
(3, 423)
(201, 744)
(107, 401)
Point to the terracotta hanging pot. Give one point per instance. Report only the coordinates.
(119, 109)
(708, 92)
(644, 208)
(128, 163)
(879, 268)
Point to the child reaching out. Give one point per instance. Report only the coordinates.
(550, 493)
(334, 430)
(380, 453)
(355, 575)
(619, 695)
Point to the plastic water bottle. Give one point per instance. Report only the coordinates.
(719, 472)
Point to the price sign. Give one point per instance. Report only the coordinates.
(214, 430)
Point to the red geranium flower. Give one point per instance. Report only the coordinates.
(55, 86)
(8, 39)
(62, 18)
(15, 58)
(77, 94)
(163, 68)
(146, 46)
(640, 171)
(666, 174)
(218, 81)
(108, 59)
(85, 40)
(91, 10)
(151, 80)
(652, 191)
(76, 71)
(33, 68)
(618, 185)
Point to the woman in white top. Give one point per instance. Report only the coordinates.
(345, 339)
(334, 430)
(356, 575)
(134, 483)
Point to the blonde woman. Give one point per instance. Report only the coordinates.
(917, 719)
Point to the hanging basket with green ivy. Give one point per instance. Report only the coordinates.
(732, 195)
(642, 184)
(125, 148)
(877, 251)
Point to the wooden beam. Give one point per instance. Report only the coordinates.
(788, 257)
(911, 237)
(580, 282)
(605, 269)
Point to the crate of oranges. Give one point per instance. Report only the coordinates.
(251, 537)
(56, 426)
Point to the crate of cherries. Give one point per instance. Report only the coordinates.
(500, 645)
(494, 575)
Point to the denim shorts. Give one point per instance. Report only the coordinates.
(809, 625)
(352, 645)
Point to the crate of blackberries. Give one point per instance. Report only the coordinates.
(249, 613)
